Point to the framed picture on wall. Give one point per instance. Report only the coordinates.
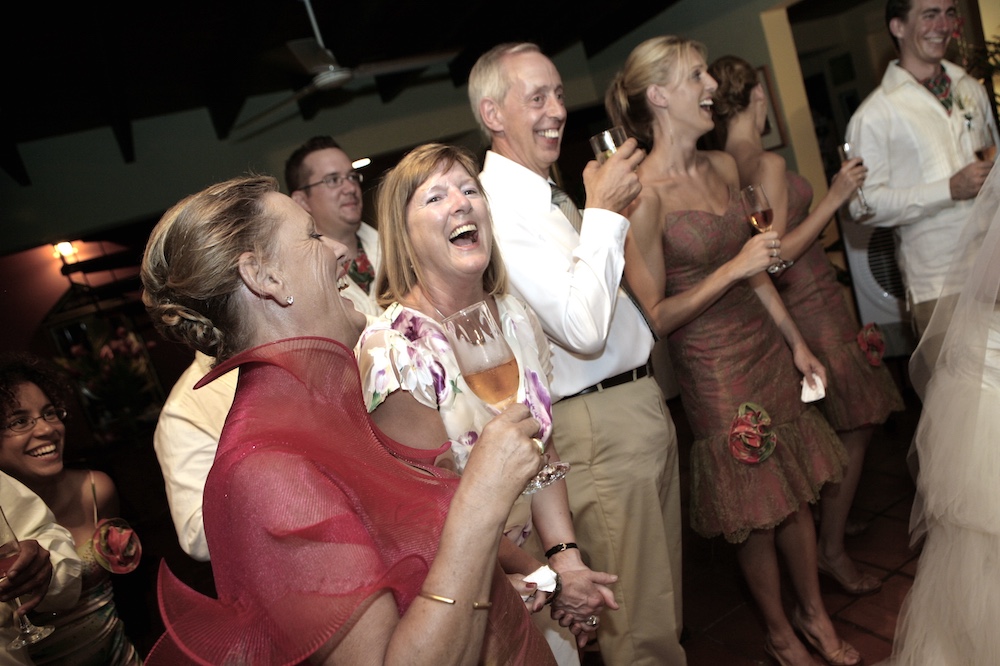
(774, 132)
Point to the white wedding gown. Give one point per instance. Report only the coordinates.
(952, 614)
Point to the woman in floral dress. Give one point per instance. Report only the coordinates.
(438, 258)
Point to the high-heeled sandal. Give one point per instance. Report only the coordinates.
(867, 584)
(838, 657)
(772, 653)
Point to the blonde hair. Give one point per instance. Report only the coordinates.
(490, 80)
(656, 61)
(190, 269)
(401, 269)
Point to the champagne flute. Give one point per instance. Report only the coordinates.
(28, 633)
(490, 370)
(848, 152)
(761, 216)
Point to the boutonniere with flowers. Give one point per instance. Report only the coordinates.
(967, 109)
(750, 438)
(872, 344)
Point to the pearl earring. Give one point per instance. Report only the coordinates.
(289, 300)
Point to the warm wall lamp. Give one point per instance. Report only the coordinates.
(64, 250)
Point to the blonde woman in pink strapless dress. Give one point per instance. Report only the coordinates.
(760, 454)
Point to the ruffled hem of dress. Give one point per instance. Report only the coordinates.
(202, 630)
(860, 394)
(733, 499)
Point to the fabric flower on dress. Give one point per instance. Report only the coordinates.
(116, 546)
(461, 448)
(750, 438)
(872, 344)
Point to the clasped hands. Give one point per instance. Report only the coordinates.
(584, 593)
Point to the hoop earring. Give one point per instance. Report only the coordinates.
(289, 300)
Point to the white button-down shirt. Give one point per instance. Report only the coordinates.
(571, 281)
(912, 147)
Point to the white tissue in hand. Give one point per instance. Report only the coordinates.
(810, 394)
(544, 579)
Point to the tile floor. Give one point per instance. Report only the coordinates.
(721, 621)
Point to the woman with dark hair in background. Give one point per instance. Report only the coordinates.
(861, 393)
(33, 400)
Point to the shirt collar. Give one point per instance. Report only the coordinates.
(507, 178)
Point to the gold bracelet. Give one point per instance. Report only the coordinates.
(476, 605)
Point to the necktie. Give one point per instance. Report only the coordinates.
(572, 213)
(568, 208)
(361, 270)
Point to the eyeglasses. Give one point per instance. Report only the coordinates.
(23, 424)
(335, 180)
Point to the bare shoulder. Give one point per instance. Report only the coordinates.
(106, 493)
(771, 164)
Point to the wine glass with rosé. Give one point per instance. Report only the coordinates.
(490, 370)
(28, 633)
(761, 217)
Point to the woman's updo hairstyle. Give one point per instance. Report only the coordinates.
(736, 78)
(190, 270)
(656, 61)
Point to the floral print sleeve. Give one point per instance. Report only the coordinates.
(401, 352)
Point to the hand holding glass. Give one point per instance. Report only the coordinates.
(848, 152)
(987, 147)
(761, 216)
(490, 369)
(9, 549)
(606, 143)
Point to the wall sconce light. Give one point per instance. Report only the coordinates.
(362, 163)
(64, 250)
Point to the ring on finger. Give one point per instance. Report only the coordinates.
(540, 444)
(592, 621)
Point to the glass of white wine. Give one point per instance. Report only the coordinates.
(847, 152)
(761, 216)
(490, 370)
(27, 633)
(606, 143)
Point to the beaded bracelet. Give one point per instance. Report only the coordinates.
(558, 548)
(476, 605)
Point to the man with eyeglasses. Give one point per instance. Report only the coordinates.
(321, 179)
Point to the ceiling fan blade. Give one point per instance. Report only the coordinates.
(383, 67)
(288, 101)
(313, 56)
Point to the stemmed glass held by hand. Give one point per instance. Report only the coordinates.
(761, 216)
(490, 369)
(9, 549)
(848, 152)
(987, 150)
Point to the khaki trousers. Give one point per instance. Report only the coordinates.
(624, 493)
